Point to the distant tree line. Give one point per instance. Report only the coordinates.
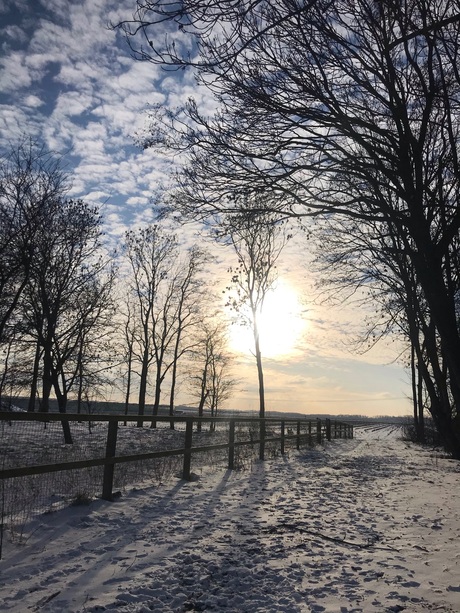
(346, 112)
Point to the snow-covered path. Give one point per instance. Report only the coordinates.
(369, 525)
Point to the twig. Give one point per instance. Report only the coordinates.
(134, 559)
(46, 600)
(340, 541)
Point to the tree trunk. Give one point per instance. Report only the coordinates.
(204, 395)
(47, 381)
(420, 407)
(414, 390)
(156, 402)
(442, 308)
(128, 387)
(80, 385)
(34, 384)
(444, 320)
(260, 373)
(173, 389)
(62, 405)
(212, 425)
(143, 387)
(449, 430)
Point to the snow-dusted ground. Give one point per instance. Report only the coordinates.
(368, 525)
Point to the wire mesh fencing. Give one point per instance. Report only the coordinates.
(40, 473)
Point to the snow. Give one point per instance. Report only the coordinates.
(364, 525)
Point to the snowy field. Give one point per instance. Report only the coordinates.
(368, 525)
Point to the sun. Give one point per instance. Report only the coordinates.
(281, 325)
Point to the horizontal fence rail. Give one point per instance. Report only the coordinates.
(268, 430)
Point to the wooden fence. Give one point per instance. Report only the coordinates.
(276, 430)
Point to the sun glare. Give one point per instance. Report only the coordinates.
(280, 323)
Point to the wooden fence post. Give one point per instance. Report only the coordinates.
(328, 429)
(107, 484)
(187, 449)
(282, 437)
(262, 440)
(318, 432)
(231, 444)
(309, 433)
(298, 434)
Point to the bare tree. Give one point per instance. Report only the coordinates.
(94, 361)
(12, 372)
(51, 291)
(211, 379)
(169, 291)
(150, 253)
(30, 179)
(66, 295)
(365, 262)
(190, 296)
(129, 324)
(357, 255)
(163, 334)
(221, 382)
(257, 240)
(329, 106)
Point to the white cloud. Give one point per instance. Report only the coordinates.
(13, 34)
(136, 201)
(14, 74)
(15, 122)
(72, 103)
(33, 101)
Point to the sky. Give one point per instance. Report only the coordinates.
(69, 81)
